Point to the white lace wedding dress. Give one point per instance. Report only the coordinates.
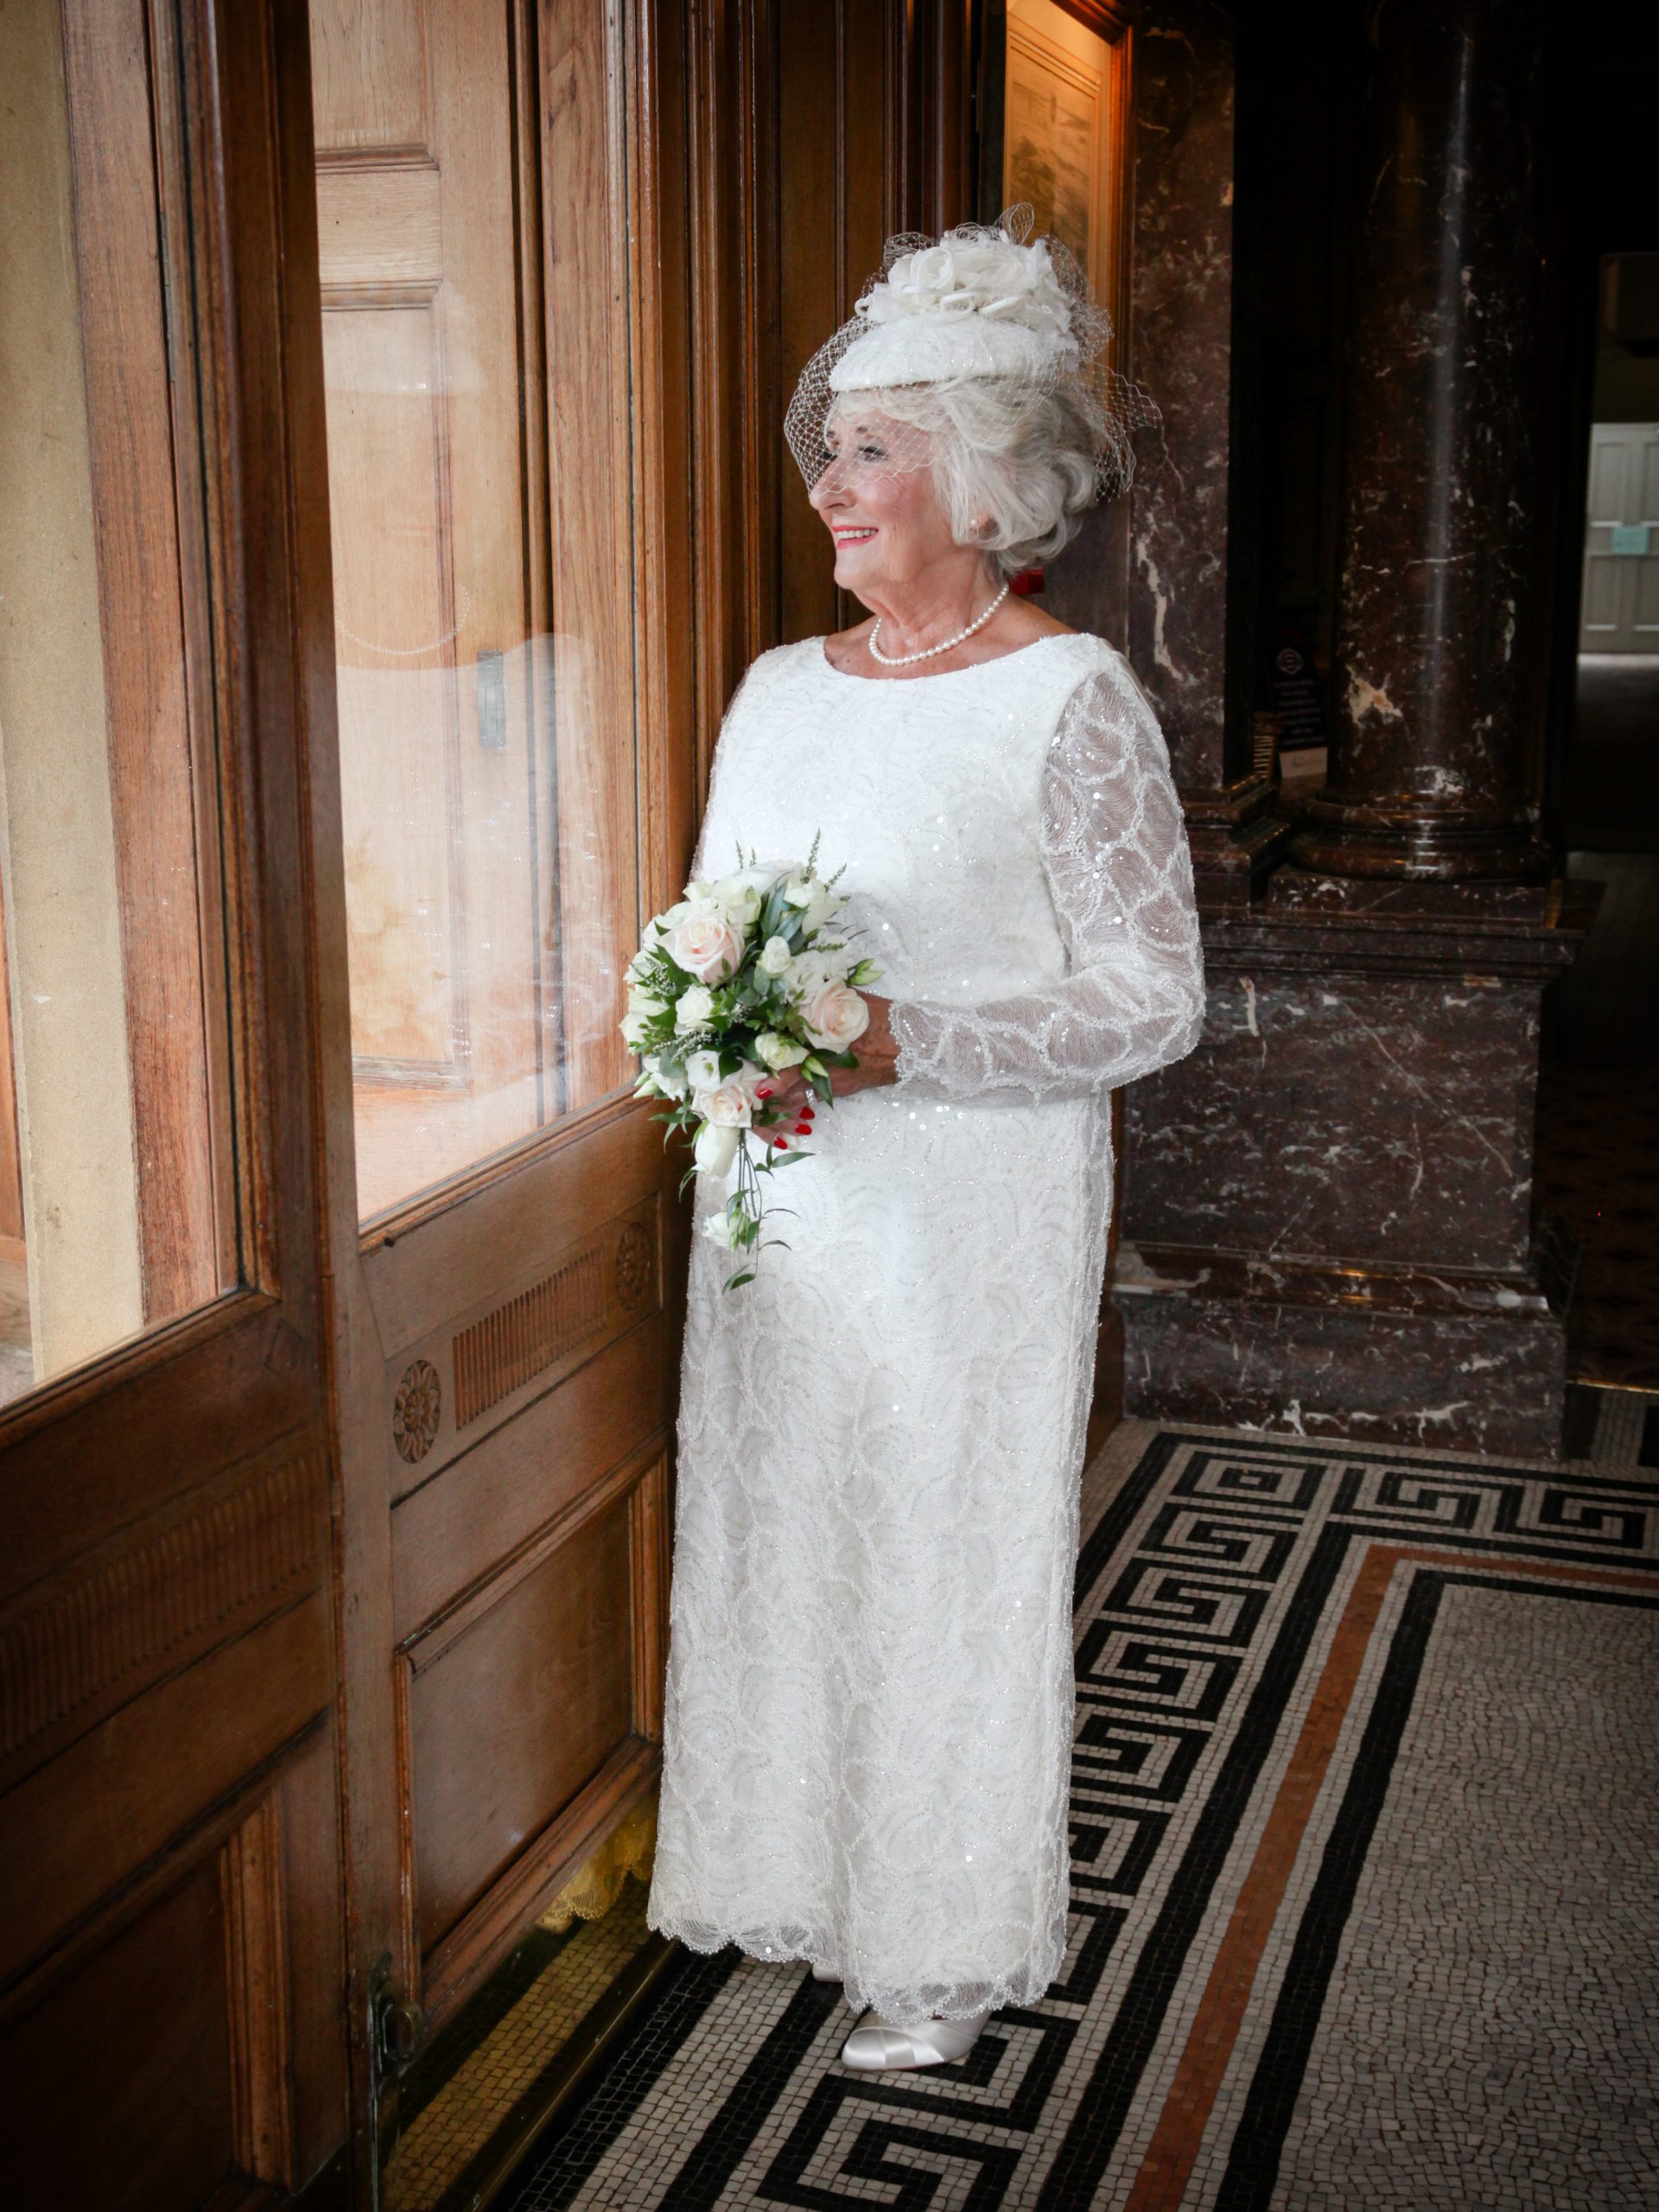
(870, 1700)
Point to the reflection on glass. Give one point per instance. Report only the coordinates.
(116, 1184)
(1060, 84)
(486, 765)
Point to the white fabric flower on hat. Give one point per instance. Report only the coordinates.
(998, 279)
(977, 306)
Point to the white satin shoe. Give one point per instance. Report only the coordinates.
(876, 2046)
(825, 1973)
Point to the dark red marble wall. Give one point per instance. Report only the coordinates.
(1328, 1213)
(1321, 1120)
(1182, 295)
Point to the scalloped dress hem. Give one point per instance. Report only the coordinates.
(905, 2008)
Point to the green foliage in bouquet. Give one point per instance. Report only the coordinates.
(745, 979)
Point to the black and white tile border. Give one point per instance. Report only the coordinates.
(1228, 1584)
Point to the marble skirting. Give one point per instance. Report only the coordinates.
(1328, 1215)
(1401, 1356)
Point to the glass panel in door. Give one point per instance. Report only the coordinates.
(117, 1182)
(485, 741)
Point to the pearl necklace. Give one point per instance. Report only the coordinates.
(903, 660)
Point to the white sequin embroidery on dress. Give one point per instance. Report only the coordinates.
(870, 1700)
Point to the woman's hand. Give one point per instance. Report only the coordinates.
(878, 1055)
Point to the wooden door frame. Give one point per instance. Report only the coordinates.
(890, 82)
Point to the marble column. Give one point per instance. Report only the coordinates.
(1189, 542)
(1328, 1225)
(1425, 778)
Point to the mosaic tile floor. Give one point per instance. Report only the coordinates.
(462, 2104)
(1612, 1427)
(1365, 1832)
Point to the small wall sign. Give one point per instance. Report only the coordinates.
(1631, 539)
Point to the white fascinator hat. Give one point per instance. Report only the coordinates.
(985, 304)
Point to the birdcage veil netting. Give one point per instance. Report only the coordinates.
(983, 306)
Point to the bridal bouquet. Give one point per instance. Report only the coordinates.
(746, 978)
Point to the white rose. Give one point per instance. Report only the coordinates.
(810, 971)
(662, 926)
(634, 1029)
(669, 1081)
(814, 899)
(834, 1015)
(716, 1148)
(644, 1002)
(719, 1228)
(739, 895)
(694, 1009)
(778, 1052)
(706, 945)
(702, 1070)
(728, 1106)
(775, 956)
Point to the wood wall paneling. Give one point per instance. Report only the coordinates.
(488, 1770)
(113, 2099)
(164, 2056)
(534, 1467)
(503, 1801)
(488, 1934)
(256, 1974)
(120, 1794)
(456, 1254)
(844, 124)
(482, 1368)
(99, 1633)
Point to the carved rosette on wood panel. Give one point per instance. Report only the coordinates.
(634, 1253)
(417, 1410)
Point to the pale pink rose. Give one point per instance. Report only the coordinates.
(705, 944)
(833, 1015)
(728, 1106)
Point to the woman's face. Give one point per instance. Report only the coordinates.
(886, 522)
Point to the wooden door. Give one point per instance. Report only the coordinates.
(1619, 611)
(506, 458)
(171, 1951)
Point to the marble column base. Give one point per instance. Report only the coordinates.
(1327, 1216)
(1472, 1362)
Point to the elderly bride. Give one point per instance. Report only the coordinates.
(870, 1698)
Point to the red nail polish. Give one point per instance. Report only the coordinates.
(803, 1128)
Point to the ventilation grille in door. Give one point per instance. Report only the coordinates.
(541, 1326)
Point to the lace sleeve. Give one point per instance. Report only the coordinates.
(1114, 850)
